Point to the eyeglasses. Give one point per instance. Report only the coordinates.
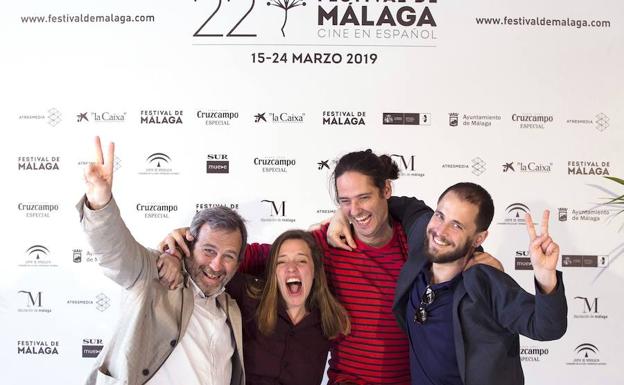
(420, 317)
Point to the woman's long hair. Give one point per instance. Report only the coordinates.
(334, 317)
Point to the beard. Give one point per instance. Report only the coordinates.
(196, 271)
(451, 256)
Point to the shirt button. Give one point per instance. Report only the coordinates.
(145, 372)
(173, 343)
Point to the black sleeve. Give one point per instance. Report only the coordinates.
(540, 317)
(408, 210)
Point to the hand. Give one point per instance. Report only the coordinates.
(484, 258)
(169, 271)
(544, 253)
(175, 244)
(99, 176)
(339, 232)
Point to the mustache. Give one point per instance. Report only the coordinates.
(208, 270)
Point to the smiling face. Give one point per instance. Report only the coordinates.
(452, 231)
(295, 272)
(214, 258)
(365, 206)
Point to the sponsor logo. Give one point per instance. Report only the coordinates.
(37, 209)
(274, 164)
(202, 206)
(159, 163)
(33, 302)
(515, 214)
(587, 308)
(600, 122)
(453, 119)
(364, 21)
(101, 117)
(369, 22)
(91, 347)
(326, 164)
(52, 116)
(279, 117)
(38, 163)
(406, 165)
(528, 167)
(217, 164)
(477, 166)
(216, 117)
(586, 354)
(38, 347)
(344, 118)
(101, 302)
(156, 210)
(533, 353)
(323, 164)
(161, 117)
(532, 121)
(276, 211)
(523, 260)
(79, 256)
(474, 120)
(568, 260)
(582, 167)
(37, 256)
(116, 163)
(406, 118)
(583, 215)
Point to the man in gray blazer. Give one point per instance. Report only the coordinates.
(191, 335)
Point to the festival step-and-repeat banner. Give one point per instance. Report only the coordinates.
(249, 104)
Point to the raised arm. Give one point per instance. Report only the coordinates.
(542, 316)
(123, 259)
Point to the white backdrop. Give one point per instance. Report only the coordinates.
(531, 108)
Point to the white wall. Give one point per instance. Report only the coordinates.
(570, 76)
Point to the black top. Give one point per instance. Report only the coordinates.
(291, 355)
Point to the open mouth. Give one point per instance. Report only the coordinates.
(362, 220)
(294, 286)
(440, 241)
(212, 275)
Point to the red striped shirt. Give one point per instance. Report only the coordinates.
(363, 280)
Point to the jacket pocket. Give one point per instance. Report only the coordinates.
(103, 378)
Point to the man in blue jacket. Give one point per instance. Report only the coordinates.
(464, 326)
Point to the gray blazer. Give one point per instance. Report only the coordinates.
(153, 318)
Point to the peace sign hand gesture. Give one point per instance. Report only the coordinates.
(544, 253)
(99, 176)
